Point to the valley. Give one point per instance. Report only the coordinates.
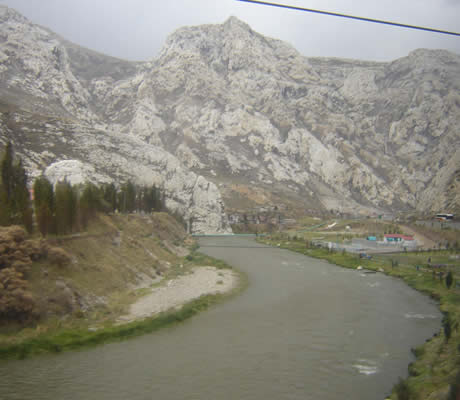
(208, 115)
(319, 162)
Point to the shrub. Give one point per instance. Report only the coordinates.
(17, 252)
(22, 266)
(34, 249)
(447, 325)
(16, 302)
(454, 392)
(16, 233)
(58, 256)
(402, 390)
(449, 280)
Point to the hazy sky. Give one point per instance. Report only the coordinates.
(137, 29)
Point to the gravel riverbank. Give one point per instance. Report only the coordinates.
(176, 292)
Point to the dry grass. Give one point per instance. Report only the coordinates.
(113, 264)
(98, 273)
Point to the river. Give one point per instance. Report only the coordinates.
(304, 329)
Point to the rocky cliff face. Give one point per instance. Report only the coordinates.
(53, 110)
(338, 133)
(265, 124)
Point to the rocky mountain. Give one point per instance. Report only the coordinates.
(52, 112)
(225, 111)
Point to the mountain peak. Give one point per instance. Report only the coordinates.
(234, 22)
(7, 13)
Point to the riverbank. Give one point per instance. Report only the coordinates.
(436, 372)
(125, 276)
(200, 281)
(210, 285)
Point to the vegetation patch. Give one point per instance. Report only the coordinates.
(79, 338)
(436, 371)
(68, 289)
(79, 331)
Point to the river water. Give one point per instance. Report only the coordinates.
(304, 329)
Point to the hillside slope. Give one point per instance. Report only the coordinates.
(92, 272)
(333, 133)
(224, 104)
(126, 275)
(49, 114)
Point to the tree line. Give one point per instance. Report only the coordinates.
(65, 208)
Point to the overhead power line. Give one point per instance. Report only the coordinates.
(334, 14)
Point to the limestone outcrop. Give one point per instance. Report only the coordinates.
(224, 107)
(52, 113)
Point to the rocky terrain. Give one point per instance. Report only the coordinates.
(226, 115)
(51, 111)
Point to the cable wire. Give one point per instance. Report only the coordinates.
(334, 14)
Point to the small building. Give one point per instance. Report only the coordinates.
(445, 217)
(398, 239)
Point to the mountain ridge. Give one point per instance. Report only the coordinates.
(248, 113)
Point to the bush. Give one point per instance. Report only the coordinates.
(402, 390)
(16, 302)
(58, 256)
(454, 392)
(34, 249)
(447, 325)
(17, 252)
(449, 280)
(16, 233)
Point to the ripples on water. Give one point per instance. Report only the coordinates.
(304, 329)
(421, 316)
(366, 367)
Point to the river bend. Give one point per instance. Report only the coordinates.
(304, 329)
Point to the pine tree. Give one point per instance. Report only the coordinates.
(21, 204)
(6, 175)
(73, 207)
(121, 200)
(153, 199)
(66, 207)
(4, 208)
(110, 196)
(44, 205)
(7, 171)
(148, 199)
(90, 203)
(62, 206)
(160, 200)
(130, 197)
(127, 198)
(156, 199)
(141, 199)
(15, 207)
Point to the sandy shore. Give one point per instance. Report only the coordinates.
(177, 292)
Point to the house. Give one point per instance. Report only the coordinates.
(398, 239)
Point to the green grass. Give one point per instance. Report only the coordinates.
(437, 367)
(101, 269)
(79, 338)
(198, 258)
